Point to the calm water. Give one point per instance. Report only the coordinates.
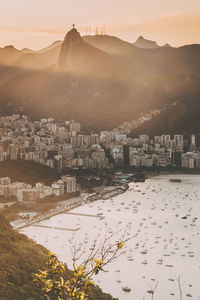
(154, 209)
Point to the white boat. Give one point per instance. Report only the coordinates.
(126, 289)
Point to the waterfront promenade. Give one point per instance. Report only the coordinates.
(72, 203)
(66, 205)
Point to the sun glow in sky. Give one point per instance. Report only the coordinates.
(37, 23)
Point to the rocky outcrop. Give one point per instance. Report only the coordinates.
(146, 44)
(69, 49)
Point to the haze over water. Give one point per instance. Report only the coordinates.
(166, 217)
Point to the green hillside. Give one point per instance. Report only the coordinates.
(28, 172)
(20, 258)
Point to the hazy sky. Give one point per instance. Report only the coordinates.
(36, 23)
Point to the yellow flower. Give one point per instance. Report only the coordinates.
(120, 245)
(98, 261)
(98, 265)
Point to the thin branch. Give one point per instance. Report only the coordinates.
(152, 290)
(180, 284)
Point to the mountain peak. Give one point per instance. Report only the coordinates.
(167, 45)
(10, 48)
(141, 42)
(71, 42)
(73, 34)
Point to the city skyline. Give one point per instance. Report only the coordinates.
(35, 25)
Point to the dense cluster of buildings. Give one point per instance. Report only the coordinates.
(26, 193)
(57, 145)
(164, 151)
(61, 145)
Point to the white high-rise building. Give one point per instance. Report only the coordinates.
(70, 185)
(193, 141)
(75, 126)
(165, 138)
(13, 152)
(144, 138)
(178, 138)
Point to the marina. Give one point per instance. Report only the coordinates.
(163, 215)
